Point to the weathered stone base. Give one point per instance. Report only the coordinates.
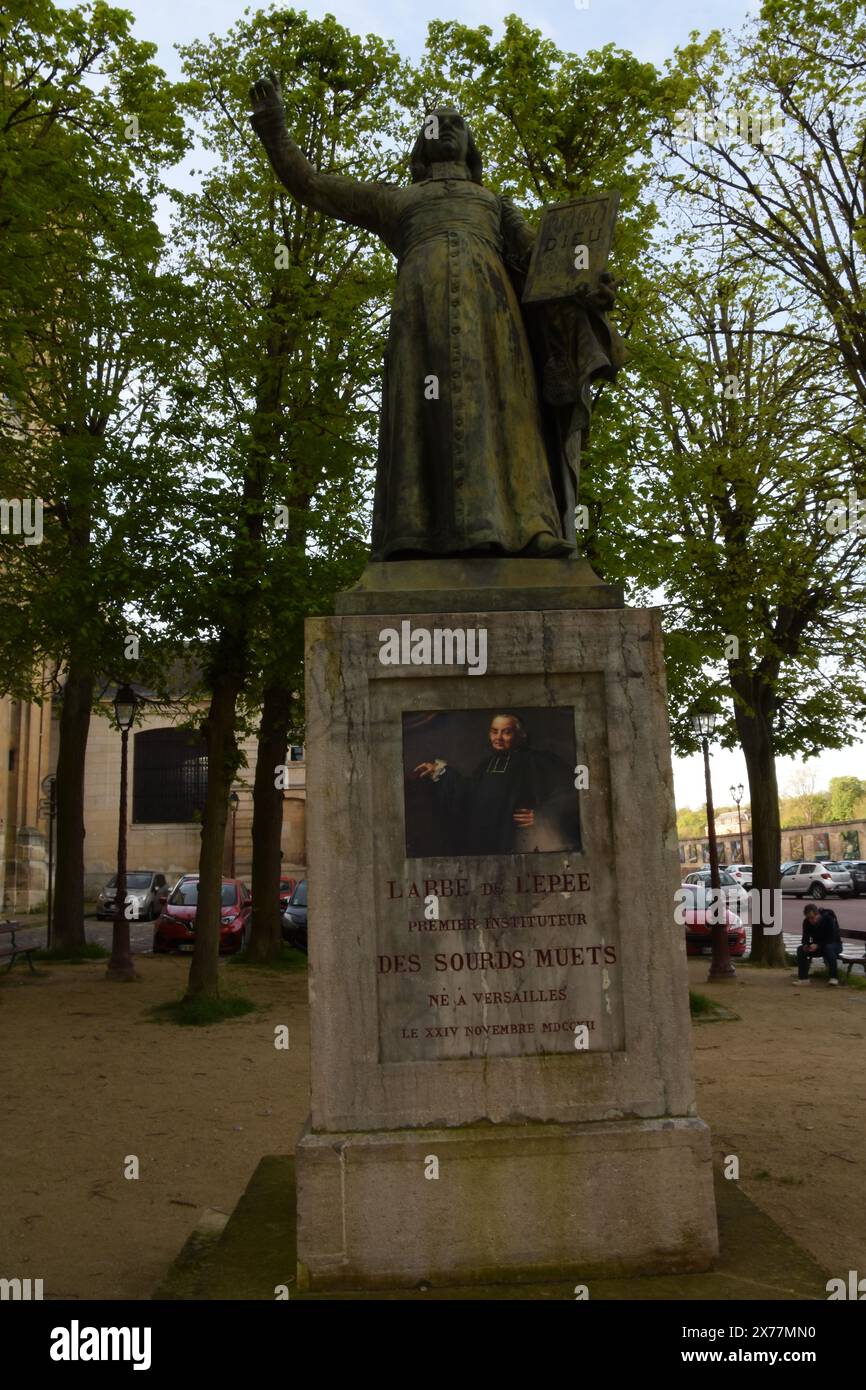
(511, 1202)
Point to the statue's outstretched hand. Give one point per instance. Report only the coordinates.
(266, 99)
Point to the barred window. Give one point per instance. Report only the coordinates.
(169, 779)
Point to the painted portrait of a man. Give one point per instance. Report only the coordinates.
(490, 785)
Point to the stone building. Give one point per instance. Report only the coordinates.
(26, 757)
(167, 786)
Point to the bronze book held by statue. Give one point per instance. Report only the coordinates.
(571, 248)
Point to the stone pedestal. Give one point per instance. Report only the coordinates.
(501, 1049)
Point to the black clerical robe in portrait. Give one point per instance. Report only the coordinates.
(481, 807)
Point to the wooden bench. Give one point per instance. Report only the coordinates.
(14, 951)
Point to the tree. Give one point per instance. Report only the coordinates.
(786, 179)
(87, 123)
(845, 792)
(290, 311)
(692, 824)
(804, 804)
(746, 435)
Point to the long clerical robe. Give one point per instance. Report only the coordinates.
(463, 461)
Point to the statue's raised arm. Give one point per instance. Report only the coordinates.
(366, 205)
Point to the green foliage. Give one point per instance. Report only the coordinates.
(736, 468)
(845, 793)
(276, 407)
(692, 825)
(84, 349)
(552, 125)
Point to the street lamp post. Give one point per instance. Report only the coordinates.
(120, 966)
(737, 794)
(49, 787)
(234, 802)
(704, 724)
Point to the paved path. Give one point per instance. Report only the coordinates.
(140, 933)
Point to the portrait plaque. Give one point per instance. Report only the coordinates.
(496, 934)
(556, 269)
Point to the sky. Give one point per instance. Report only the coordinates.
(650, 31)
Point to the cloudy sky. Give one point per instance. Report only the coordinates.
(651, 30)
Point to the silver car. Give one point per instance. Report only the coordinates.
(146, 891)
(816, 880)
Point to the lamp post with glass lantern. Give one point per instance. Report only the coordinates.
(120, 966)
(704, 724)
(737, 794)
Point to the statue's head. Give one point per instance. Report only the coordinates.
(445, 138)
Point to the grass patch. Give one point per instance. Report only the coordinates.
(766, 1176)
(74, 955)
(705, 1010)
(199, 1013)
(288, 959)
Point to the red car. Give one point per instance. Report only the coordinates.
(699, 932)
(287, 888)
(175, 926)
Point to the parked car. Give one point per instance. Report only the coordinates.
(699, 930)
(742, 873)
(735, 893)
(816, 880)
(146, 890)
(294, 923)
(857, 870)
(175, 927)
(287, 888)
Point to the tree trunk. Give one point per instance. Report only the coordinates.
(265, 938)
(72, 750)
(754, 709)
(222, 751)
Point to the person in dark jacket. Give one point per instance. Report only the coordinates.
(821, 937)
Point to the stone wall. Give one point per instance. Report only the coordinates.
(800, 842)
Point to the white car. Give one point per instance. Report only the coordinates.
(816, 880)
(742, 873)
(734, 893)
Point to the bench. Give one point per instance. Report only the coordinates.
(851, 961)
(14, 951)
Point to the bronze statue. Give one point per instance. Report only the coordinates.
(480, 400)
